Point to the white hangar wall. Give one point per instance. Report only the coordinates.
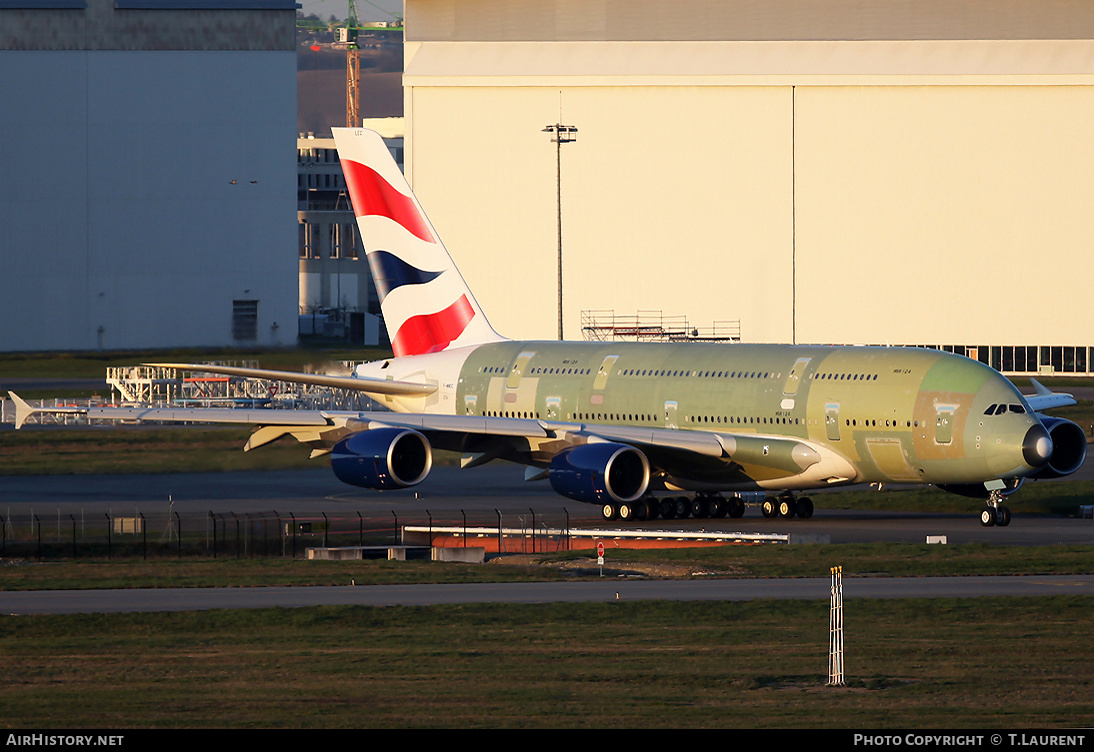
(148, 193)
(913, 175)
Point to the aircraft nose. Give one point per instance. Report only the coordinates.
(1037, 446)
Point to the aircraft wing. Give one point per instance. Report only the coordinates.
(678, 455)
(370, 386)
(1045, 398)
(701, 456)
(23, 411)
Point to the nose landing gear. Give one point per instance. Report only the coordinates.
(996, 512)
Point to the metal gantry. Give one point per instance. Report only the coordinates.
(835, 631)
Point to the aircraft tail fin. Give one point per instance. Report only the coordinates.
(426, 303)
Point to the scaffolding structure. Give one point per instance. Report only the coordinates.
(653, 326)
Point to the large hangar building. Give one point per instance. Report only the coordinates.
(148, 183)
(915, 172)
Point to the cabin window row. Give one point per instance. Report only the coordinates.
(677, 373)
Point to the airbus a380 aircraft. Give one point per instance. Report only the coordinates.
(608, 422)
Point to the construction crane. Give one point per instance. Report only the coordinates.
(348, 36)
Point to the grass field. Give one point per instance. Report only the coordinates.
(996, 663)
(914, 664)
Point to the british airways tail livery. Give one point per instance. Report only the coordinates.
(612, 423)
(427, 306)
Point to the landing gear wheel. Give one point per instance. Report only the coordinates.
(805, 508)
(683, 507)
(668, 509)
(787, 508)
(1002, 515)
(609, 512)
(717, 507)
(987, 517)
(626, 511)
(769, 508)
(736, 508)
(700, 508)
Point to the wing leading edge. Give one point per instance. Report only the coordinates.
(356, 383)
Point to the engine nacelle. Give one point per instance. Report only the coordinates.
(382, 458)
(598, 473)
(1068, 448)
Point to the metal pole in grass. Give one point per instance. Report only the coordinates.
(498, 513)
(38, 522)
(464, 513)
(72, 519)
(396, 531)
(533, 528)
(293, 516)
(178, 525)
(326, 530)
(144, 536)
(835, 630)
(569, 541)
(213, 520)
(360, 530)
(109, 525)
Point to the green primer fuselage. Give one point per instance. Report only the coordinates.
(896, 414)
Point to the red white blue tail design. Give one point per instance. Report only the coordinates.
(427, 306)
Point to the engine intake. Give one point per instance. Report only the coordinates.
(383, 458)
(597, 473)
(1068, 448)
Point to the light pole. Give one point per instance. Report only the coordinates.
(560, 134)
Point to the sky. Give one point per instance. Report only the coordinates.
(365, 11)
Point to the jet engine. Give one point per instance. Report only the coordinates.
(598, 473)
(1068, 448)
(383, 458)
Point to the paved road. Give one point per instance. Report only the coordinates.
(190, 599)
(481, 494)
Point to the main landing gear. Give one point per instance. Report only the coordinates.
(787, 507)
(996, 512)
(674, 508)
(702, 506)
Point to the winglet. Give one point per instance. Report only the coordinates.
(22, 410)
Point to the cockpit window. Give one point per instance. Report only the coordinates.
(1000, 409)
